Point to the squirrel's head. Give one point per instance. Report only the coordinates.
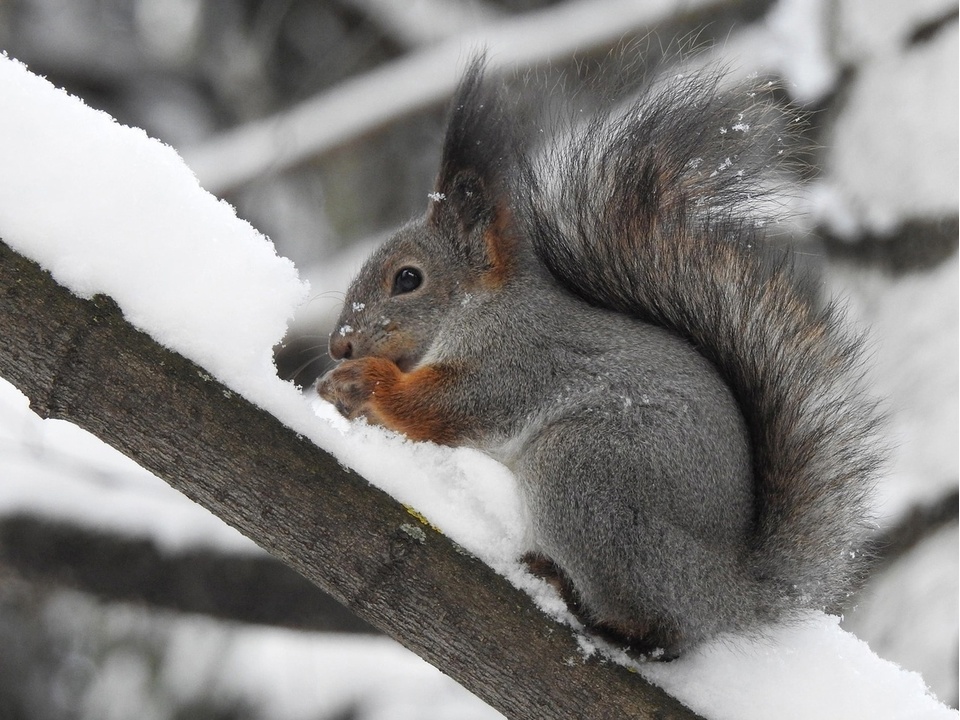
(401, 295)
(464, 245)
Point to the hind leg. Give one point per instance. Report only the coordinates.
(651, 641)
(645, 543)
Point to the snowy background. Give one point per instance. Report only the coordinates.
(279, 107)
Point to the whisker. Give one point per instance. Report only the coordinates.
(307, 336)
(301, 368)
(311, 348)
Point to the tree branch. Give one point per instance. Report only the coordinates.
(79, 360)
(426, 21)
(252, 588)
(916, 525)
(422, 79)
(241, 588)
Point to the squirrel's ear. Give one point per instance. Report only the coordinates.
(470, 200)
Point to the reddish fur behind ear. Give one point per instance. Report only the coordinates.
(500, 240)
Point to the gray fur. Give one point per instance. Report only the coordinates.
(689, 433)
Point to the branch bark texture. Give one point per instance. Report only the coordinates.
(79, 360)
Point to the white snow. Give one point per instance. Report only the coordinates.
(108, 210)
(913, 321)
(799, 46)
(926, 579)
(867, 28)
(901, 116)
(791, 41)
(811, 670)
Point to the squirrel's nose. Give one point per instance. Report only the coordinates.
(340, 347)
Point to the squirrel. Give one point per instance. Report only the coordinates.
(690, 432)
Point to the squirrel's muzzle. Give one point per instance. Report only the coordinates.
(340, 347)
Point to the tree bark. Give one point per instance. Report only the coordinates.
(79, 360)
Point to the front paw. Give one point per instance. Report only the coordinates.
(358, 388)
(349, 387)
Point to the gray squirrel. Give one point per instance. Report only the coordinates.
(602, 314)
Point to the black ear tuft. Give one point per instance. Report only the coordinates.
(472, 184)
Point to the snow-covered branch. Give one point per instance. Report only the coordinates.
(79, 360)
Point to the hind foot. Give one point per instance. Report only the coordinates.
(643, 640)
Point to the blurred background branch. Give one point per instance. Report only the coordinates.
(233, 587)
(421, 79)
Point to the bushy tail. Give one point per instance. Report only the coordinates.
(655, 211)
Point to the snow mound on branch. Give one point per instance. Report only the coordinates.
(108, 210)
(809, 670)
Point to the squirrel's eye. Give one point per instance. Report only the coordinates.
(406, 280)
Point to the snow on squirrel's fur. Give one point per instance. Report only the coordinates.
(108, 210)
